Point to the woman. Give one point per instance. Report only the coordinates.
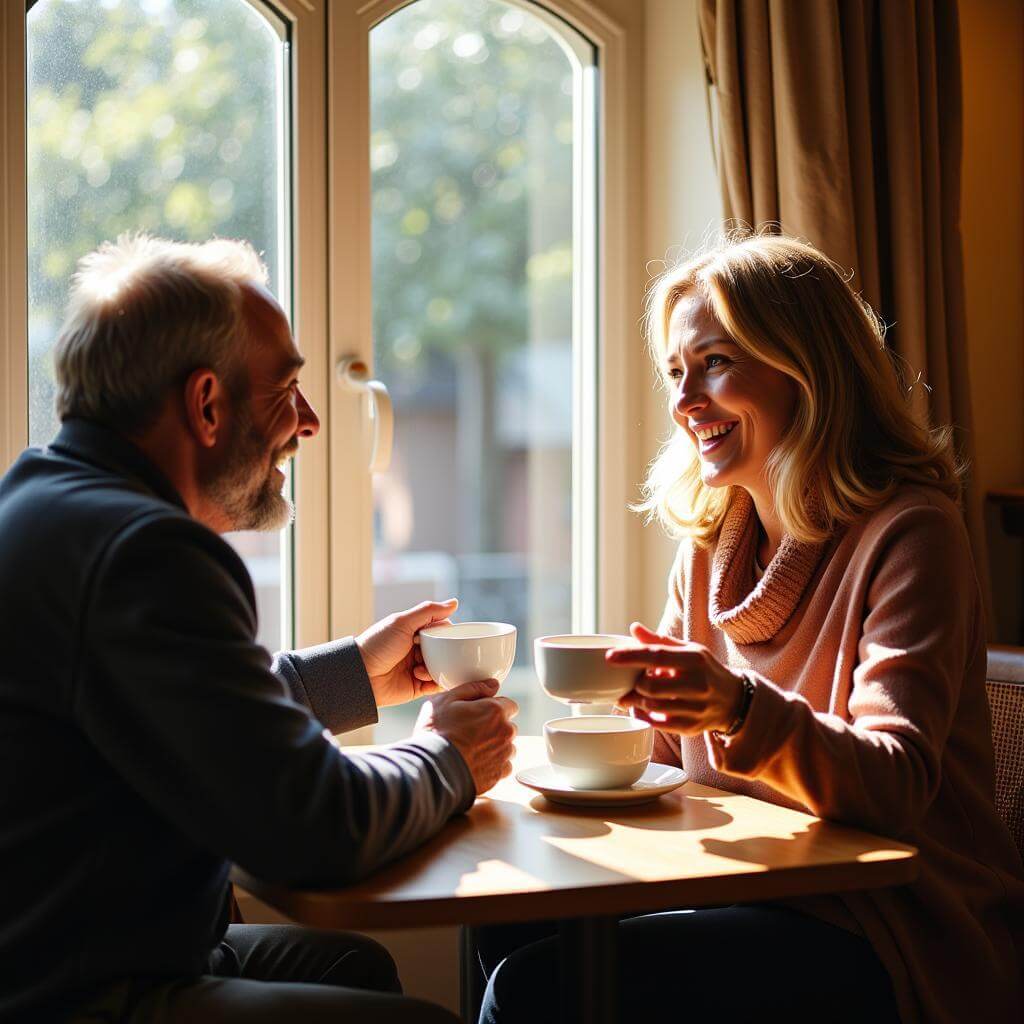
(823, 648)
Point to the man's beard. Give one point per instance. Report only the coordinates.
(246, 491)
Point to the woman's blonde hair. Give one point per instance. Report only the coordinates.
(854, 438)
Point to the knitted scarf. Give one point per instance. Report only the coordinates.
(754, 616)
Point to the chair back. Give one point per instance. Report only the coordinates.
(1005, 684)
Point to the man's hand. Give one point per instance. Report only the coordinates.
(391, 653)
(478, 723)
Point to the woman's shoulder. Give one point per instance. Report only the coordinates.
(916, 517)
(913, 557)
(916, 501)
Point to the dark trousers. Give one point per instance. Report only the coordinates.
(272, 974)
(738, 964)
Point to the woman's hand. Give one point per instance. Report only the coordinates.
(391, 653)
(684, 688)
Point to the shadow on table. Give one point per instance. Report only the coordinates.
(661, 816)
(764, 850)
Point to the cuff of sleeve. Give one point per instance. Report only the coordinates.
(453, 766)
(759, 738)
(336, 685)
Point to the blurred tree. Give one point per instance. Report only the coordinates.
(472, 127)
(471, 151)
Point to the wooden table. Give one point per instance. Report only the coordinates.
(517, 857)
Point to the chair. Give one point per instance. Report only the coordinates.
(1004, 681)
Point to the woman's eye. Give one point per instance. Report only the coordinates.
(674, 373)
(713, 361)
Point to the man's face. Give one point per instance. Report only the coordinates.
(267, 423)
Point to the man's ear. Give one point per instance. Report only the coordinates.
(206, 407)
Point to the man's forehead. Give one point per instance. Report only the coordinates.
(269, 328)
(262, 308)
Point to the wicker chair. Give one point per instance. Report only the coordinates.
(1005, 683)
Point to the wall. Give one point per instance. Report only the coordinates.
(992, 219)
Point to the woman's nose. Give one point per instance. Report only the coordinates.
(689, 398)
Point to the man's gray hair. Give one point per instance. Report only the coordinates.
(143, 314)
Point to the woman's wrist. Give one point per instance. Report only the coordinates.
(742, 709)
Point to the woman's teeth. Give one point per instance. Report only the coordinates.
(716, 431)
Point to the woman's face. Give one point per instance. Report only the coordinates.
(734, 407)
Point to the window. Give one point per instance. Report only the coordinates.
(159, 116)
(476, 148)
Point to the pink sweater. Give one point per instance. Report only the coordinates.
(869, 657)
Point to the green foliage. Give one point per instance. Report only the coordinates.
(147, 116)
(471, 151)
(143, 115)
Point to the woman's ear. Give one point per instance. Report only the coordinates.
(206, 407)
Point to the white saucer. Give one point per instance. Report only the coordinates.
(658, 779)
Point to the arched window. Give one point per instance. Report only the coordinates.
(482, 149)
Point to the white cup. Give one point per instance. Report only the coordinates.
(599, 751)
(465, 652)
(572, 669)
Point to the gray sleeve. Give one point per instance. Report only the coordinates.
(330, 679)
(180, 699)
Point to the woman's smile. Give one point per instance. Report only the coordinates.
(713, 435)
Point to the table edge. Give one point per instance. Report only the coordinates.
(321, 908)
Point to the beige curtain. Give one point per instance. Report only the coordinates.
(840, 121)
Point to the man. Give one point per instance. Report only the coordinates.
(146, 740)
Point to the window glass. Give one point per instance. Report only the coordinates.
(471, 151)
(163, 116)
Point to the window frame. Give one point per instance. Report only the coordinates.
(600, 600)
(13, 235)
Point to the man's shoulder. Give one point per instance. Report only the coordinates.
(47, 495)
(69, 515)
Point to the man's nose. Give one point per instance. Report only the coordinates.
(309, 422)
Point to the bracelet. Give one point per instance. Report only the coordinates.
(741, 715)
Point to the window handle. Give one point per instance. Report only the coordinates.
(354, 375)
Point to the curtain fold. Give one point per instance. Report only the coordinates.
(839, 121)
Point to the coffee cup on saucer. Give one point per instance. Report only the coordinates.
(466, 652)
(572, 668)
(599, 751)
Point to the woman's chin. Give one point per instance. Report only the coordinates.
(713, 476)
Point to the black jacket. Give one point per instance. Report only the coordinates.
(146, 739)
